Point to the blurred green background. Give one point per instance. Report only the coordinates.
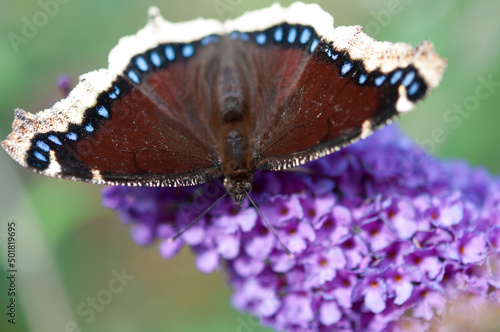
(68, 244)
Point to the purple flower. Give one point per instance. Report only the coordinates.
(296, 310)
(323, 266)
(401, 282)
(372, 291)
(427, 300)
(297, 235)
(427, 261)
(281, 209)
(383, 235)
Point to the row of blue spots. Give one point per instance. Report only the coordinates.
(348, 66)
(44, 147)
(279, 36)
(408, 81)
(141, 63)
(291, 38)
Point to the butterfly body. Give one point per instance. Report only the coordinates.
(237, 157)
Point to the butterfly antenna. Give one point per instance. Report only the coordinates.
(191, 224)
(288, 252)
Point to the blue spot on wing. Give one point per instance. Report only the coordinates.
(328, 52)
(413, 88)
(54, 139)
(292, 35)
(133, 76)
(89, 128)
(245, 36)
(39, 156)
(362, 78)
(141, 64)
(408, 78)
(379, 80)
(102, 111)
(155, 59)
(43, 146)
(346, 68)
(278, 34)
(170, 53)
(261, 38)
(396, 76)
(72, 136)
(188, 50)
(115, 94)
(306, 35)
(209, 39)
(314, 45)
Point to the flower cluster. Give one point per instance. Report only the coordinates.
(383, 236)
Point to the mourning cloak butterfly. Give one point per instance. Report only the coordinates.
(183, 103)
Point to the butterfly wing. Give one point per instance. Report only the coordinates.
(139, 122)
(323, 88)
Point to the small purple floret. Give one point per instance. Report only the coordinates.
(64, 84)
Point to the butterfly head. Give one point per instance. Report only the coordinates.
(238, 189)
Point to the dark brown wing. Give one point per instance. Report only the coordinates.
(336, 91)
(148, 126)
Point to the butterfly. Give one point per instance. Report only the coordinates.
(183, 103)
